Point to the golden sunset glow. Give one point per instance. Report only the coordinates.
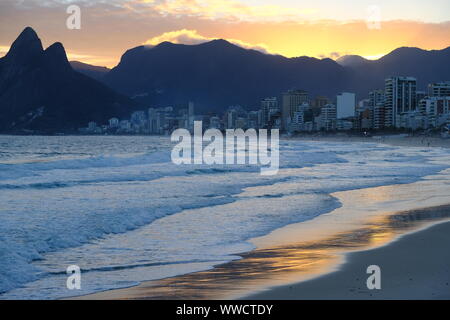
(320, 28)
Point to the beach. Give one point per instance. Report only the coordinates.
(236, 234)
(403, 140)
(415, 267)
(327, 257)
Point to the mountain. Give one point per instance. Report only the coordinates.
(94, 72)
(40, 92)
(351, 61)
(218, 74)
(426, 66)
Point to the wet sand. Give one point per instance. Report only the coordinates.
(374, 226)
(416, 266)
(304, 260)
(395, 140)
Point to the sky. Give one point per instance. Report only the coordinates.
(316, 28)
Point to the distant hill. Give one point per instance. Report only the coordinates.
(351, 61)
(89, 70)
(40, 92)
(217, 74)
(426, 66)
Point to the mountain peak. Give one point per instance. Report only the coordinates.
(56, 57)
(219, 43)
(351, 60)
(26, 46)
(57, 50)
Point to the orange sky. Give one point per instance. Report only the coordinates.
(280, 27)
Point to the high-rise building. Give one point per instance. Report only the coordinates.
(376, 97)
(376, 104)
(364, 115)
(328, 117)
(319, 102)
(346, 105)
(436, 110)
(231, 118)
(268, 105)
(439, 89)
(254, 119)
(113, 123)
(152, 128)
(291, 100)
(214, 122)
(379, 116)
(400, 98)
(191, 116)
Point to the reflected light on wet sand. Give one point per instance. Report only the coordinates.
(280, 265)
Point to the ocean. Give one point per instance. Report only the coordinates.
(117, 206)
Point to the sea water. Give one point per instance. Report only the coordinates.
(124, 213)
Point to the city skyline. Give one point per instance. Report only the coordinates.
(319, 29)
(399, 105)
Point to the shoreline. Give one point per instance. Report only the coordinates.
(415, 266)
(315, 248)
(289, 265)
(399, 140)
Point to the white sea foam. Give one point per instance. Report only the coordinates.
(126, 216)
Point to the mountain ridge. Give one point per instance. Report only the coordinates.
(41, 93)
(214, 75)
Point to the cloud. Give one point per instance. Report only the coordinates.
(191, 37)
(224, 9)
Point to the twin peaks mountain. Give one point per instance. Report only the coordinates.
(42, 92)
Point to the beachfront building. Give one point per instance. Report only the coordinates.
(364, 115)
(344, 125)
(291, 100)
(346, 105)
(113, 123)
(327, 118)
(302, 119)
(320, 102)
(413, 120)
(400, 98)
(241, 123)
(191, 116)
(439, 89)
(379, 116)
(254, 119)
(214, 123)
(436, 110)
(268, 106)
(152, 121)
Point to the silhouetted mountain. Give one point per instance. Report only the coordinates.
(40, 91)
(426, 66)
(351, 61)
(89, 70)
(217, 74)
